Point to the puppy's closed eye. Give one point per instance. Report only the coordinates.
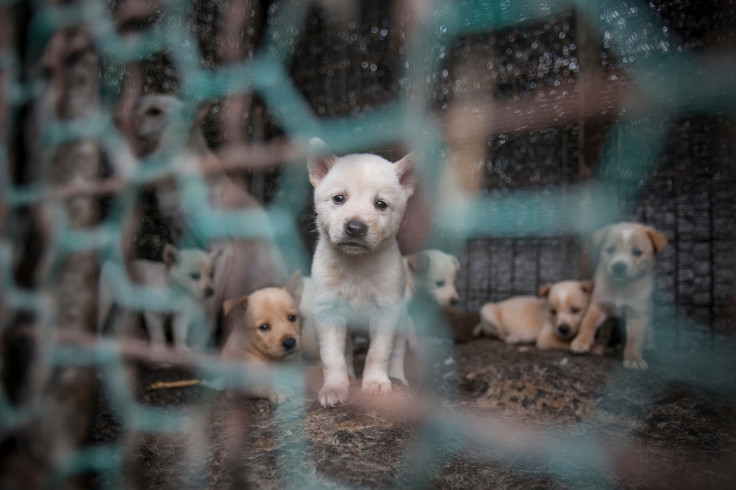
(574, 310)
(195, 276)
(440, 283)
(636, 252)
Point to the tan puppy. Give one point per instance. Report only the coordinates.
(550, 320)
(189, 269)
(432, 273)
(624, 282)
(357, 274)
(516, 320)
(265, 326)
(565, 305)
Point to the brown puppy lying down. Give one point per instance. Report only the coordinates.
(551, 320)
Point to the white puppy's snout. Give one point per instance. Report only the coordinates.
(356, 228)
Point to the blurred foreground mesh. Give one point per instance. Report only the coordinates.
(538, 122)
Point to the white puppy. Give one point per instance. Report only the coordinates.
(624, 282)
(432, 273)
(357, 273)
(190, 270)
(245, 264)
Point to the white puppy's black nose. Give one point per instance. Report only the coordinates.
(356, 228)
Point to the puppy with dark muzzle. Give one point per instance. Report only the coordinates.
(624, 282)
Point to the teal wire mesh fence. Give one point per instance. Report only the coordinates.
(537, 122)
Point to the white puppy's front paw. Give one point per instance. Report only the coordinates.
(376, 385)
(334, 390)
(638, 364)
(580, 346)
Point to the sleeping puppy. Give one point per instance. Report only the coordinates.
(265, 328)
(357, 275)
(550, 319)
(624, 282)
(189, 269)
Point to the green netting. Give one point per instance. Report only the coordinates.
(673, 81)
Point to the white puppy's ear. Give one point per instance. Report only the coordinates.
(418, 262)
(659, 239)
(295, 286)
(170, 256)
(587, 286)
(455, 263)
(544, 291)
(319, 160)
(405, 171)
(600, 235)
(229, 304)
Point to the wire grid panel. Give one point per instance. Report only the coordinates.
(665, 76)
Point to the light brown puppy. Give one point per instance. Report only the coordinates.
(624, 282)
(550, 320)
(565, 305)
(265, 328)
(516, 320)
(265, 325)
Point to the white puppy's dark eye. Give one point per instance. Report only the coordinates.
(381, 205)
(440, 283)
(553, 311)
(194, 276)
(575, 311)
(264, 327)
(292, 318)
(636, 252)
(338, 199)
(610, 250)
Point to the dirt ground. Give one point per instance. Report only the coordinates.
(483, 415)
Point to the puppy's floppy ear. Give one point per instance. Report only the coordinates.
(587, 286)
(405, 171)
(319, 160)
(170, 256)
(295, 286)
(544, 291)
(659, 239)
(229, 304)
(418, 262)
